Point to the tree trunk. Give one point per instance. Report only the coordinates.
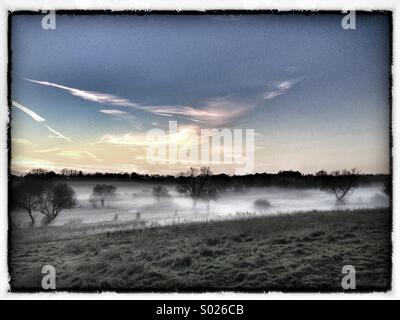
(194, 204)
(31, 216)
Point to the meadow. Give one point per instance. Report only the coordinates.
(304, 251)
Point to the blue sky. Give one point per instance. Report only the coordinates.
(316, 95)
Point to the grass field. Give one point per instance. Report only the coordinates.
(298, 252)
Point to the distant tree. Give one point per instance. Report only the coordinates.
(262, 204)
(26, 194)
(341, 183)
(290, 173)
(209, 193)
(192, 183)
(55, 198)
(103, 191)
(238, 187)
(37, 172)
(160, 192)
(387, 188)
(93, 201)
(321, 173)
(69, 172)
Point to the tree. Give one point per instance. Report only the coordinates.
(321, 173)
(38, 172)
(387, 188)
(341, 183)
(103, 191)
(69, 172)
(192, 183)
(26, 194)
(160, 192)
(55, 198)
(210, 193)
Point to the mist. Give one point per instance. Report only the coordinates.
(135, 200)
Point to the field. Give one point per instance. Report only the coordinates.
(131, 198)
(287, 252)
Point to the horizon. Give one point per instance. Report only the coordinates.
(85, 173)
(85, 94)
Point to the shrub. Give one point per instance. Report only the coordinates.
(262, 203)
(160, 192)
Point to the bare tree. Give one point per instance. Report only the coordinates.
(341, 183)
(38, 172)
(27, 195)
(160, 192)
(192, 183)
(69, 172)
(55, 198)
(102, 191)
(210, 193)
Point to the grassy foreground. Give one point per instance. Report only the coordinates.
(299, 252)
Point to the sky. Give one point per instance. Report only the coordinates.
(86, 94)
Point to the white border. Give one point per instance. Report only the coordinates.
(201, 5)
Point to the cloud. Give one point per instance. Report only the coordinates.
(58, 133)
(31, 113)
(93, 96)
(48, 150)
(22, 141)
(140, 139)
(73, 154)
(214, 112)
(38, 118)
(113, 112)
(130, 138)
(280, 88)
(182, 111)
(92, 155)
(27, 164)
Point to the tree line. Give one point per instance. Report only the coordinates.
(40, 191)
(287, 178)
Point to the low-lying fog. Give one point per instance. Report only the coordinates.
(131, 198)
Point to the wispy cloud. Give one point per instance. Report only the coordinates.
(113, 112)
(280, 88)
(94, 96)
(24, 164)
(91, 155)
(140, 139)
(38, 118)
(58, 133)
(48, 150)
(28, 111)
(130, 138)
(22, 141)
(72, 154)
(214, 111)
(208, 114)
